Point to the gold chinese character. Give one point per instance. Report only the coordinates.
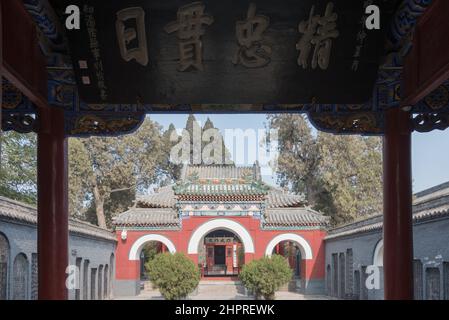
(126, 35)
(189, 27)
(252, 53)
(318, 32)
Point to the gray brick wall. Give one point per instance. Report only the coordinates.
(431, 250)
(22, 239)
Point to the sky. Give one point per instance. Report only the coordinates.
(430, 151)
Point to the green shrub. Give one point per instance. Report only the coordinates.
(265, 276)
(175, 275)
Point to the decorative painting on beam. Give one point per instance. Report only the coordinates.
(18, 112)
(426, 122)
(87, 124)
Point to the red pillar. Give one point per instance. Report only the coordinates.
(398, 236)
(52, 228)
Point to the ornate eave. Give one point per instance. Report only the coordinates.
(83, 119)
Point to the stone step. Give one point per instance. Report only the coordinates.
(220, 282)
(292, 286)
(226, 288)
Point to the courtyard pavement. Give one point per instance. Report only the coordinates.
(221, 290)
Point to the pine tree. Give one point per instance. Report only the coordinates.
(209, 131)
(113, 169)
(18, 166)
(339, 175)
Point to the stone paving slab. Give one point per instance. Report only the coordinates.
(221, 290)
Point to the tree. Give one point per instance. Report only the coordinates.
(299, 157)
(265, 276)
(195, 136)
(339, 175)
(106, 173)
(204, 142)
(116, 168)
(18, 173)
(79, 171)
(170, 138)
(175, 275)
(211, 137)
(351, 170)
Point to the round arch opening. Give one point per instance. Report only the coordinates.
(146, 247)
(136, 249)
(378, 256)
(300, 242)
(291, 251)
(236, 228)
(221, 253)
(294, 248)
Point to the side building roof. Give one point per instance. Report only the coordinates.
(428, 205)
(16, 211)
(294, 217)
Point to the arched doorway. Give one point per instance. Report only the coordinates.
(136, 249)
(221, 253)
(378, 256)
(220, 224)
(100, 282)
(4, 263)
(111, 274)
(291, 251)
(147, 253)
(303, 245)
(297, 250)
(20, 277)
(85, 280)
(106, 282)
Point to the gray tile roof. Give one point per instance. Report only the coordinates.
(427, 205)
(148, 217)
(220, 172)
(293, 217)
(166, 198)
(17, 211)
(222, 189)
(278, 198)
(163, 198)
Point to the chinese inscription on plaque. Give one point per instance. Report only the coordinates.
(252, 53)
(233, 52)
(189, 27)
(360, 39)
(318, 32)
(126, 35)
(94, 46)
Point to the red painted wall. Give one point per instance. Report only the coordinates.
(314, 268)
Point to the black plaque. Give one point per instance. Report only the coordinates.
(104, 75)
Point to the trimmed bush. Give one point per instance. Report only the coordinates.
(265, 276)
(175, 275)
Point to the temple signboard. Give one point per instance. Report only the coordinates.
(227, 52)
